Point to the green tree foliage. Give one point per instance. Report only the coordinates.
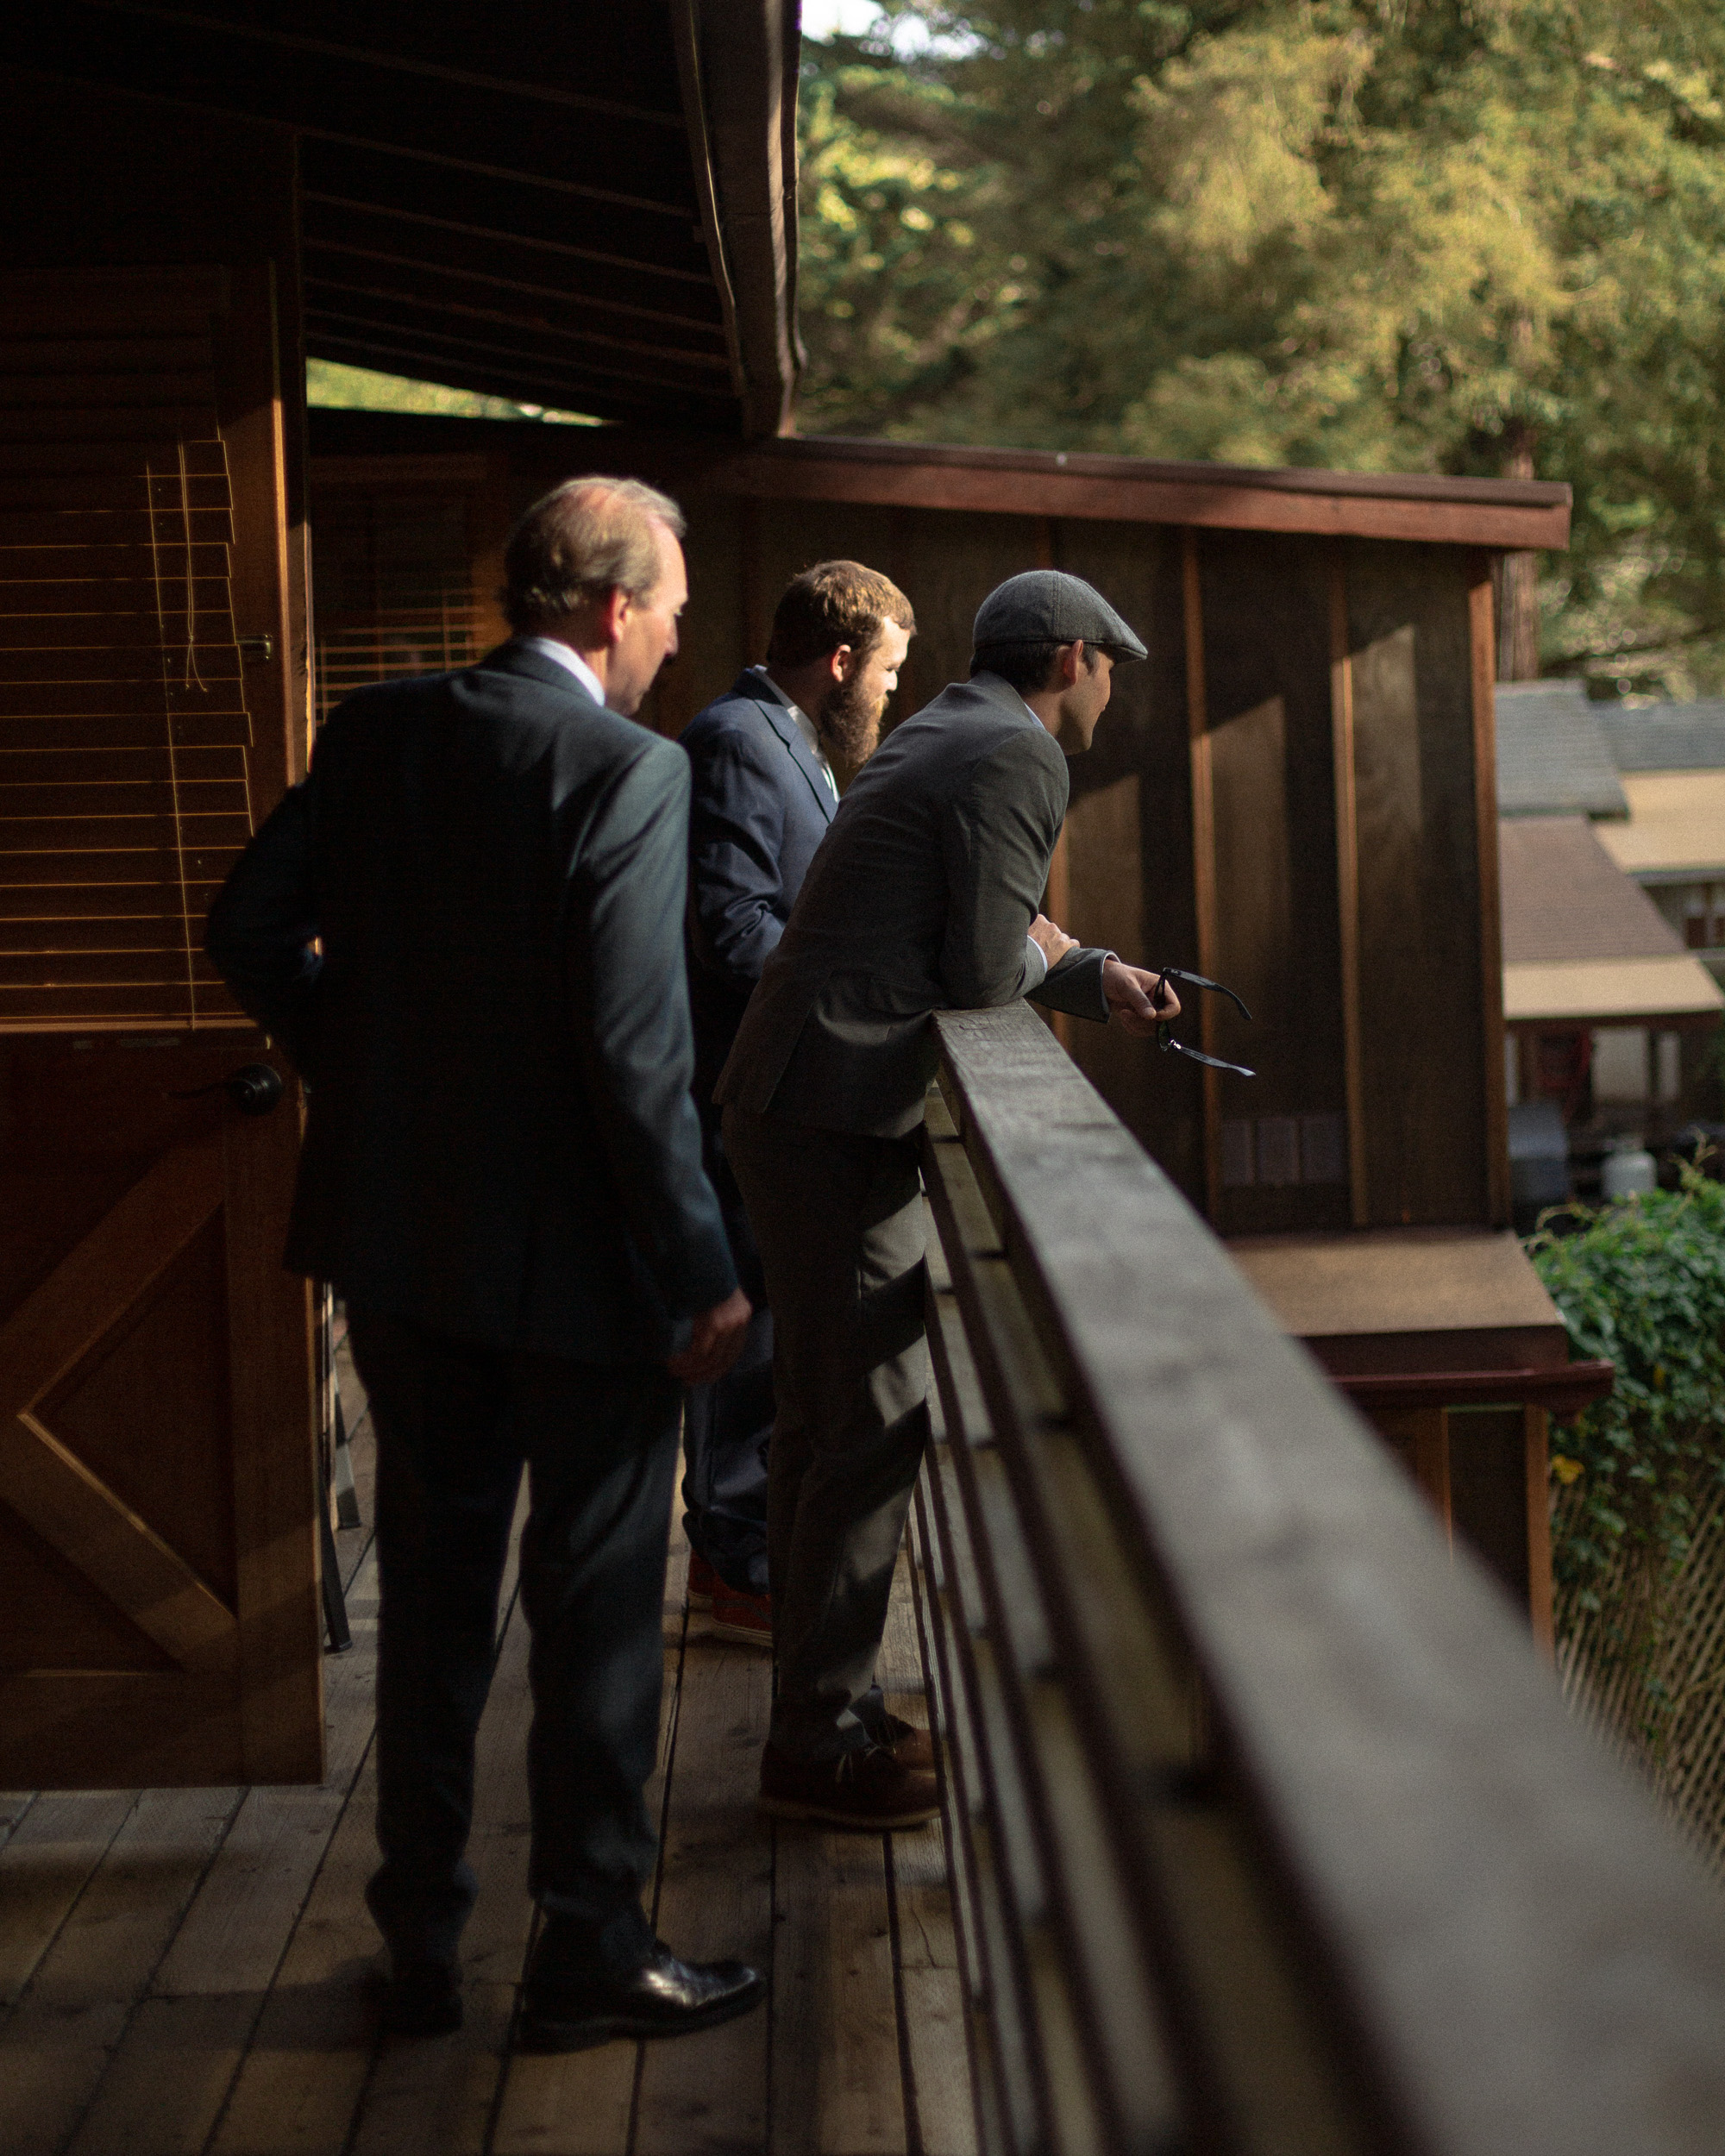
(1434, 236)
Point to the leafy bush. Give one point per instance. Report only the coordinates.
(1642, 1282)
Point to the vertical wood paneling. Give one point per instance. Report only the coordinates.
(1203, 850)
(1426, 1071)
(1482, 651)
(1348, 886)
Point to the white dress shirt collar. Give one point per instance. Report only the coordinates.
(806, 726)
(549, 648)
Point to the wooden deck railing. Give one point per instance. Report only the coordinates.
(1269, 1831)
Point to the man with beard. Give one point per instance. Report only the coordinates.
(766, 757)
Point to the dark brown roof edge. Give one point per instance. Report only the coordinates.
(1546, 494)
(1484, 513)
(1494, 513)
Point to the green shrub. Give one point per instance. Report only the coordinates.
(1642, 1282)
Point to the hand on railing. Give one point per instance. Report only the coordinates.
(1132, 993)
(1053, 943)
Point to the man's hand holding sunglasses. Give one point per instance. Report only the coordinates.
(1131, 991)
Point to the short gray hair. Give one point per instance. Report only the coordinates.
(585, 538)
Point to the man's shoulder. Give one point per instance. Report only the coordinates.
(962, 727)
(735, 730)
(737, 715)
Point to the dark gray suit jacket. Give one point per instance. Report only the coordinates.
(760, 809)
(500, 1143)
(918, 900)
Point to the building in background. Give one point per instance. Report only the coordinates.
(1612, 844)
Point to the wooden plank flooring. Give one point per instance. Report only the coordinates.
(191, 1972)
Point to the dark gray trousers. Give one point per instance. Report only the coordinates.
(454, 1425)
(838, 1219)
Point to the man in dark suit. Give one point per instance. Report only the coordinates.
(466, 929)
(924, 897)
(763, 758)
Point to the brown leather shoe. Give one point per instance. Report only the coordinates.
(909, 1745)
(870, 1790)
(747, 1618)
(914, 1749)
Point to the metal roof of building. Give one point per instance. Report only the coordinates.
(1668, 736)
(589, 208)
(1553, 755)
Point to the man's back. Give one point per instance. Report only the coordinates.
(918, 900)
(499, 1143)
(760, 810)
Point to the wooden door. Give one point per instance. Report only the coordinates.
(158, 1558)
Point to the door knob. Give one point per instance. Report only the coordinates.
(254, 1089)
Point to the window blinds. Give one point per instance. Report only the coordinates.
(124, 738)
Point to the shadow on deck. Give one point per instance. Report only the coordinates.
(184, 1970)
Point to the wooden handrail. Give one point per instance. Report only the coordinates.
(1269, 1831)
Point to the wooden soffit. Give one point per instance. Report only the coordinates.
(591, 209)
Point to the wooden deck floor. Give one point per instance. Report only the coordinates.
(184, 1970)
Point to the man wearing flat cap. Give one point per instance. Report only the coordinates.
(924, 897)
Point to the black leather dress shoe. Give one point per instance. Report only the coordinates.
(422, 1998)
(660, 1995)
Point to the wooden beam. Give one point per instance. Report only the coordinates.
(117, 1549)
(738, 70)
(100, 1279)
(348, 96)
(565, 389)
(630, 291)
(349, 313)
(557, 320)
(1331, 505)
(536, 87)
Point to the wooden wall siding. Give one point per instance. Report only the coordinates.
(124, 794)
(1286, 675)
(1281, 1160)
(1139, 898)
(1421, 1019)
(159, 1618)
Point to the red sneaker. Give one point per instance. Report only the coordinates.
(702, 1581)
(747, 1618)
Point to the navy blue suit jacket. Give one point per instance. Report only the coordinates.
(500, 1141)
(760, 809)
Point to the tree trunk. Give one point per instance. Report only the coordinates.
(1517, 578)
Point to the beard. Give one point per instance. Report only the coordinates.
(849, 724)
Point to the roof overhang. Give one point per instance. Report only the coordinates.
(1488, 513)
(587, 208)
(1676, 830)
(1509, 513)
(1672, 991)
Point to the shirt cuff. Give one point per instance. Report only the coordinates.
(1036, 965)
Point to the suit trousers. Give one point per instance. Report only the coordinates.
(838, 1218)
(455, 1424)
(728, 1425)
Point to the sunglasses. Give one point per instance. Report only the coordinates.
(1164, 1038)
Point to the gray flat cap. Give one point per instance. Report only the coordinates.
(1048, 607)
